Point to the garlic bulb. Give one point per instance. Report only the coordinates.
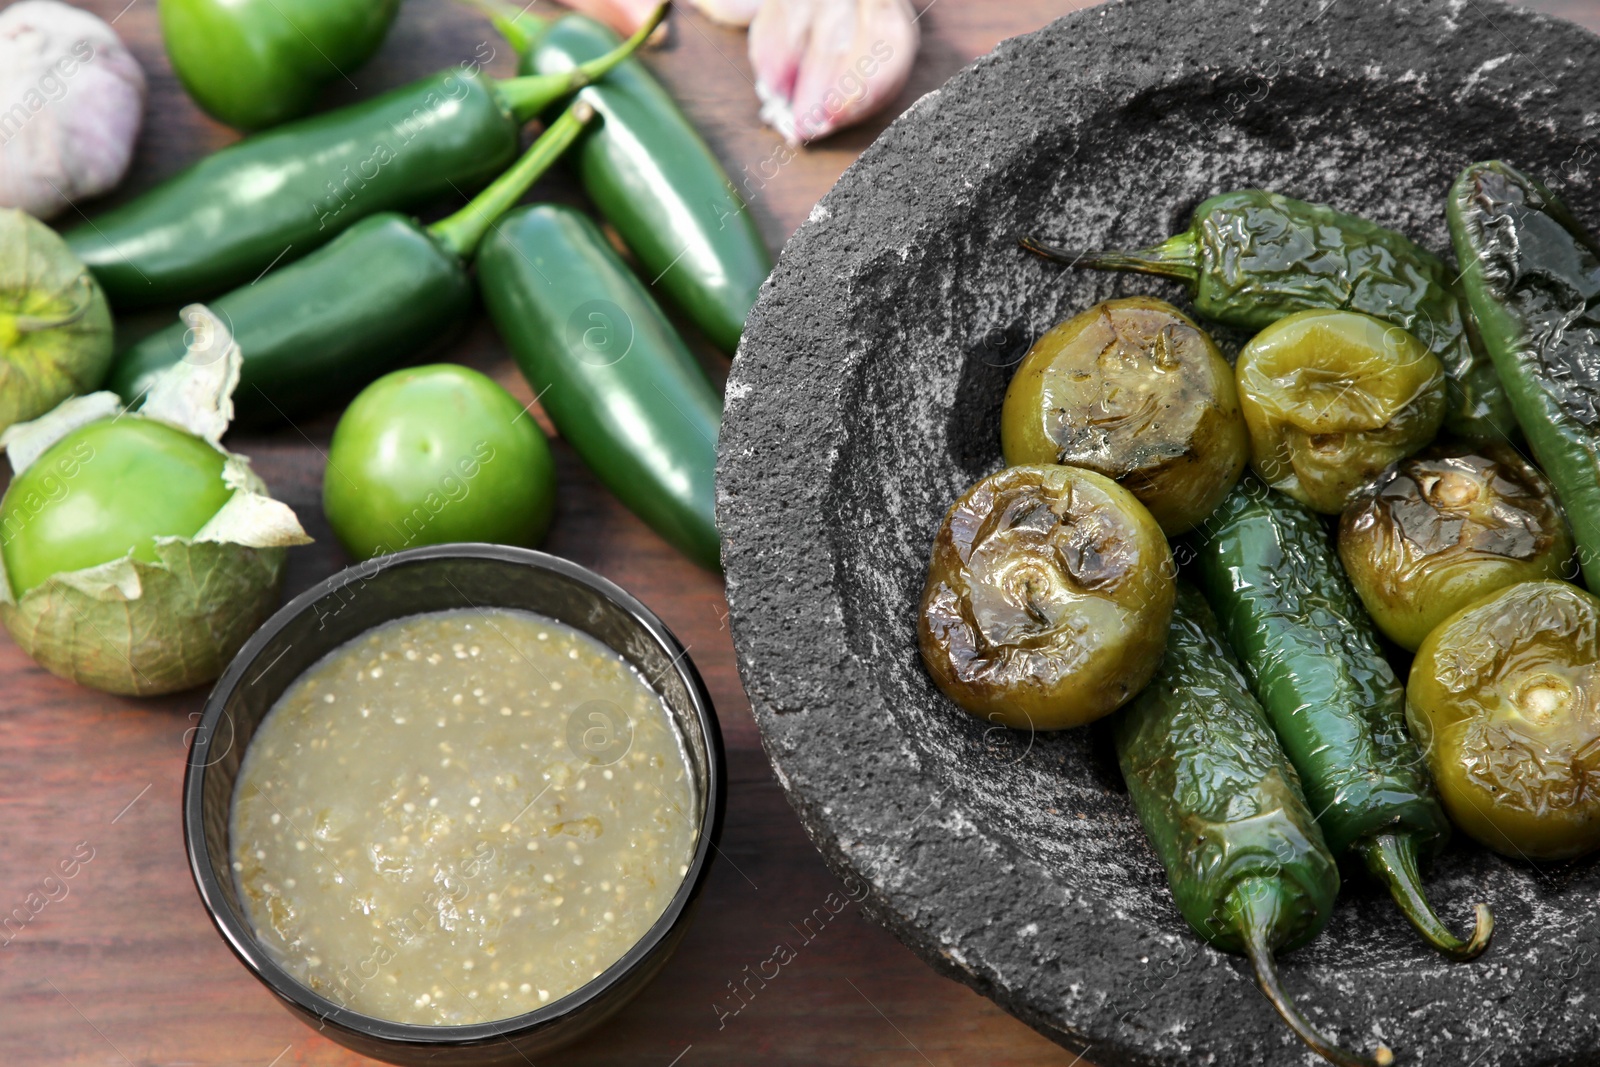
(730, 12)
(822, 65)
(71, 99)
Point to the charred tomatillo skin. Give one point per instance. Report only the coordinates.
(609, 370)
(433, 455)
(1532, 274)
(272, 198)
(1223, 810)
(323, 326)
(1133, 390)
(1331, 398)
(1438, 531)
(1048, 598)
(1313, 659)
(104, 491)
(1502, 696)
(1252, 257)
(256, 63)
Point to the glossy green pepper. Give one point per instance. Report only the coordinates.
(1332, 398)
(1252, 257)
(609, 369)
(256, 63)
(1532, 274)
(105, 491)
(1048, 598)
(1223, 810)
(1313, 660)
(275, 197)
(1503, 697)
(432, 455)
(1133, 390)
(1438, 531)
(654, 179)
(323, 326)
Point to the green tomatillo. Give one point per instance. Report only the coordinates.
(256, 63)
(437, 454)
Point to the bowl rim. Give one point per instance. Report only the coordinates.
(241, 939)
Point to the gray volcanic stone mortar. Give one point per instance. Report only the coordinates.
(866, 396)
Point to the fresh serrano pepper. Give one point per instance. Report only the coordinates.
(1252, 257)
(1313, 659)
(325, 325)
(1223, 810)
(274, 197)
(1531, 272)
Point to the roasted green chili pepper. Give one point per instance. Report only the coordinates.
(1252, 257)
(611, 372)
(319, 328)
(1532, 275)
(1313, 659)
(654, 179)
(276, 196)
(256, 63)
(1224, 812)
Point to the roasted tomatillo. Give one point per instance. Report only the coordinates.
(1503, 697)
(431, 455)
(1332, 398)
(1048, 598)
(1438, 531)
(1133, 390)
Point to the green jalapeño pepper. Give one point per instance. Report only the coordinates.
(256, 63)
(274, 197)
(322, 327)
(1252, 257)
(1313, 659)
(1224, 812)
(611, 372)
(654, 179)
(1532, 274)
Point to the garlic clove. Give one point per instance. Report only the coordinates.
(729, 12)
(822, 65)
(624, 16)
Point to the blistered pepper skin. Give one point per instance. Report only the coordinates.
(1532, 274)
(1252, 257)
(1438, 531)
(1503, 697)
(1048, 598)
(1133, 390)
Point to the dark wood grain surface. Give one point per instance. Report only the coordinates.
(125, 968)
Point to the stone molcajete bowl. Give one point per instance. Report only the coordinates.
(866, 397)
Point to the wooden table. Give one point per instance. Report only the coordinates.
(125, 969)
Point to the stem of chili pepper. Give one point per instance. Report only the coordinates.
(463, 231)
(520, 28)
(1392, 858)
(1256, 907)
(531, 94)
(1172, 258)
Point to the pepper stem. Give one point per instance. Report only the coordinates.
(1392, 858)
(1176, 257)
(463, 231)
(531, 94)
(1256, 906)
(520, 29)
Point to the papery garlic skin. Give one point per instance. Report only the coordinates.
(729, 12)
(71, 101)
(623, 16)
(822, 65)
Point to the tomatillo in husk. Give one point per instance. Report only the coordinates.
(1503, 697)
(1048, 599)
(1133, 390)
(138, 555)
(1332, 398)
(433, 455)
(1438, 531)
